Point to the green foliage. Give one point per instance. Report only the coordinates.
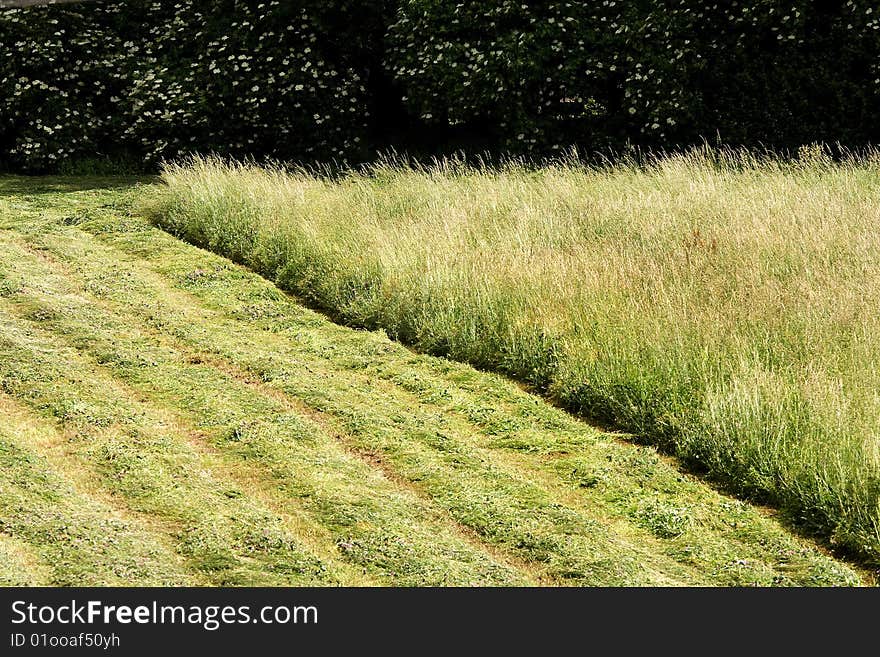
(314, 80)
(61, 84)
(537, 73)
(162, 79)
(780, 73)
(243, 79)
(667, 73)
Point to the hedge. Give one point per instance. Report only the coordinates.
(664, 73)
(161, 79)
(313, 80)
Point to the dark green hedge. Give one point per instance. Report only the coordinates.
(312, 80)
(157, 79)
(62, 81)
(661, 73)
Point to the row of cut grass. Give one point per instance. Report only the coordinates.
(127, 395)
(719, 306)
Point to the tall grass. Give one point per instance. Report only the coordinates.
(721, 305)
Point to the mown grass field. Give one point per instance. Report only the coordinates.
(167, 417)
(719, 306)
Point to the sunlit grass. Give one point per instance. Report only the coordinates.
(169, 418)
(722, 306)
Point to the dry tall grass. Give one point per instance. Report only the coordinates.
(723, 306)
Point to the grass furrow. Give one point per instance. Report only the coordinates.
(21, 565)
(148, 462)
(65, 533)
(372, 524)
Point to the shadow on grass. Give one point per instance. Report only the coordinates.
(37, 185)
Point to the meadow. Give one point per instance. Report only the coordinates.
(170, 418)
(718, 305)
